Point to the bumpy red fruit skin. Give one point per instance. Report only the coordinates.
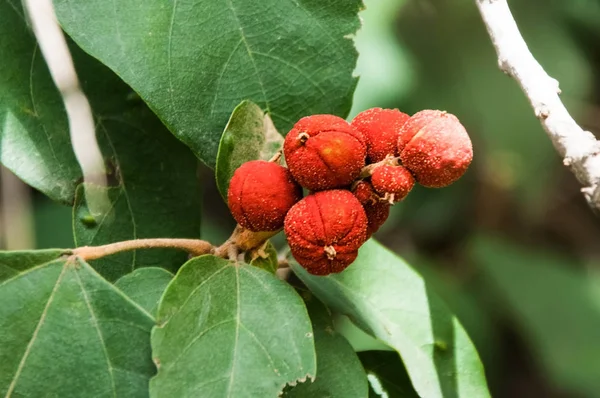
(325, 230)
(376, 209)
(377, 213)
(414, 125)
(381, 128)
(440, 150)
(396, 180)
(364, 192)
(260, 195)
(324, 152)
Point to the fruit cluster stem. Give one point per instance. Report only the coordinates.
(194, 247)
(241, 240)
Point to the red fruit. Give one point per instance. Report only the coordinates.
(377, 213)
(439, 150)
(376, 209)
(260, 195)
(365, 193)
(324, 152)
(381, 128)
(392, 182)
(325, 230)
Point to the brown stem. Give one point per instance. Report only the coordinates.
(195, 247)
(243, 240)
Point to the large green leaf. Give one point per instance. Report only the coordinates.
(155, 191)
(145, 286)
(554, 306)
(194, 61)
(66, 332)
(34, 132)
(339, 371)
(385, 297)
(230, 330)
(249, 135)
(387, 375)
(13, 263)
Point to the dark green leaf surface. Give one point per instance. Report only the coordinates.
(13, 263)
(339, 371)
(66, 332)
(387, 375)
(385, 297)
(249, 135)
(554, 305)
(34, 132)
(194, 61)
(230, 331)
(145, 286)
(155, 192)
(269, 263)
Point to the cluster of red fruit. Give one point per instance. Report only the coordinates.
(354, 173)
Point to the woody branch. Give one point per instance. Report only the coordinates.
(579, 149)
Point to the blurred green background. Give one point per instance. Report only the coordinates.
(512, 247)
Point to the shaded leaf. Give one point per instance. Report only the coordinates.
(249, 135)
(387, 375)
(193, 62)
(230, 330)
(34, 131)
(64, 330)
(339, 371)
(358, 339)
(385, 297)
(269, 263)
(13, 263)
(155, 191)
(554, 306)
(145, 286)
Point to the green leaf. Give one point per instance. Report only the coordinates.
(389, 300)
(249, 135)
(358, 339)
(155, 192)
(230, 330)
(339, 371)
(194, 61)
(145, 286)
(13, 263)
(34, 131)
(65, 331)
(269, 263)
(387, 375)
(554, 306)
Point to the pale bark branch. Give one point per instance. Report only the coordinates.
(81, 123)
(579, 149)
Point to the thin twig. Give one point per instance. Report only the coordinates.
(81, 123)
(195, 247)
(579, 149)
(241, 240)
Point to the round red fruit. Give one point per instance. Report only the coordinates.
(260, 195)
(439, 149)
(325, 230)
(392, 182)
(381, 128)
(324, 152)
